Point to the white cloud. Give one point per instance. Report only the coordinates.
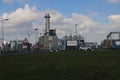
(113, 1)
(114, 23)
(23, 21)
(114, 18)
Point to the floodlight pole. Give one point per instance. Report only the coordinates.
(76, 30)
(36, 36)
(2, 28)
(2, 35)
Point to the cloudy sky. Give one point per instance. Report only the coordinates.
(95, 18)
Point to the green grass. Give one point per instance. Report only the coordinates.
(64, 65)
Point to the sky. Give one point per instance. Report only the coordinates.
(95, 18)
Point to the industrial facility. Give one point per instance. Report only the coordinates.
(111, 41)
(74, 42)
(49, 40)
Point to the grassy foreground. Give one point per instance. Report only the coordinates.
(66, 65)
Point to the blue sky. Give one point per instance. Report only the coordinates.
(103, 7)
(102, 13)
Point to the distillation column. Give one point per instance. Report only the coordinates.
(47, 24)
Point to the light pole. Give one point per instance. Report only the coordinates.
(36, 35)
(2, 31)
(76, 35)
(2, 35)
(76, 30)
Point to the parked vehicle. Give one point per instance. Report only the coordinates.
(116, 47)
(86, 48)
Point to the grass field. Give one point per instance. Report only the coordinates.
(64, 65)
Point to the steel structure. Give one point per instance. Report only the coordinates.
(111, 33)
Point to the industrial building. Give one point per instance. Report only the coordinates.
(49, 40)
(111, 42)
(71, 42)
(20, 45)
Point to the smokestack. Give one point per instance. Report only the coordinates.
(47, 24)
